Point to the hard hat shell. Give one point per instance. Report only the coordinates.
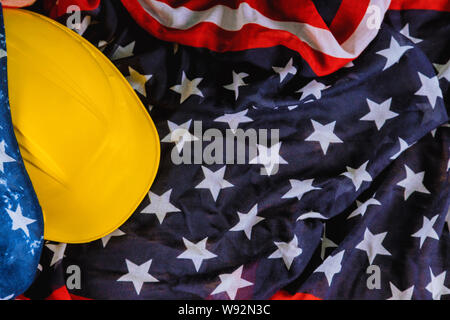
(89, 146)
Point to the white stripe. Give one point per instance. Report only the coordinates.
(230, 19)
(365, 33)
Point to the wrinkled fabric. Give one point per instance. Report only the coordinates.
(337, 229)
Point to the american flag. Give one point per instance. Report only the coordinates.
(359, 205)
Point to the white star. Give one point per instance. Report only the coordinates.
(288, 251)
(312, 88)
(237, 82)
(214, 181)
(124, 52)
(444, 70)
(430, 89)
(436, 285)
(427, 230)
(326, 243)
(187, 87)
(401, 295)
(9, 297)
(331, 266)
(4, 157)
(379, 113)
(362, 207)
(58, 252)
(324, 134)
(19, 221)
(405, 32)
(349, 65)
(234, 119)
(433, 132)
(231, 283)
(160, 205)
(393, 53)
(270, 158)
(197, 252)
(179, 134)
(311, 215)
(299, 188)
(247, 221)
(358, 176)
(115, 233)
(138, 81)
(138, 274)
(372, 245)
(284, 71)
(403, 146)
(102, 45)
(2, 53)
(413, 182)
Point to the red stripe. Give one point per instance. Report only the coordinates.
(286, 10)
(283, 295)
(290, 10)
(211, 36)
(439, 5)
(59, 294)
(250, 36)
(63, 294)
(57, 8)
(75, 297)
(342, 27)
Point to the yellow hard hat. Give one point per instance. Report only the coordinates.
(89, 146)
